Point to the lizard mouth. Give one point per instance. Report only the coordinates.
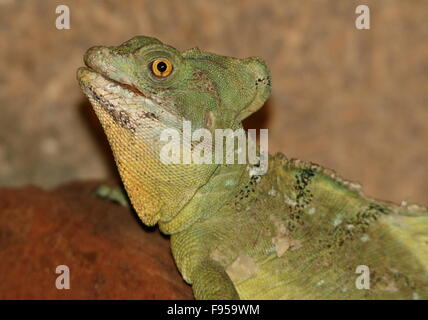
(113, 96)
(100, 86)
(128, 106)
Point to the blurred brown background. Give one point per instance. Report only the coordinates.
(352, 100)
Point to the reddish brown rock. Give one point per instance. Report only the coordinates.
(109, 253)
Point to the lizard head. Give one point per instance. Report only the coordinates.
(142, 87)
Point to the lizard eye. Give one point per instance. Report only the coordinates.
(161, 67)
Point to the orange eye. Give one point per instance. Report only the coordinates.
(161, 67)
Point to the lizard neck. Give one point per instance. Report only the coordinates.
(209, 198)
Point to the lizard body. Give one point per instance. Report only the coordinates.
(296, 232)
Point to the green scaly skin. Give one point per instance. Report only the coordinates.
(296, 232)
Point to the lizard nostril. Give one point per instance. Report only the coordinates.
(93, 55)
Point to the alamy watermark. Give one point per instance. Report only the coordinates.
(62, 21)
(363, 280)
(63, 280)
(199, 147)
(362, 22)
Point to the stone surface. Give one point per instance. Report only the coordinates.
(355, 101)
(109, 253)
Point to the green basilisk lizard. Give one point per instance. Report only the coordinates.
(296, 232)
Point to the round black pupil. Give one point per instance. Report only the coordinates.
(161, 66)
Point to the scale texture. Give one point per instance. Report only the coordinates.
(297, 232)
